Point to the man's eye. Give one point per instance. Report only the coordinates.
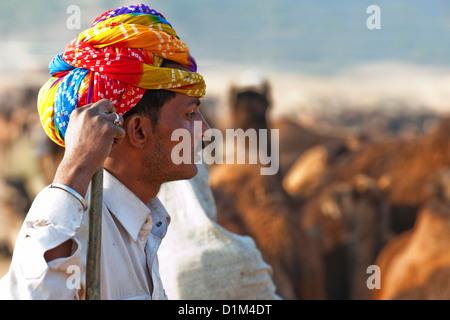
(191, 114)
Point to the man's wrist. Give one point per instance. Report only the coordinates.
(72, 192)
(74, 176)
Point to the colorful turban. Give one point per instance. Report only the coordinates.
(117, 58)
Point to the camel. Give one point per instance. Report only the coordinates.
(14, 204)
(402, 168)
(319, 265)
(252, 204)
(256, 205)
(416, 263)
(311, 171)
(297, 138)
(349, 222)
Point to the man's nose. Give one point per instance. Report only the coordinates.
(206, 130)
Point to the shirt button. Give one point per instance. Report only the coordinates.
(158, 224)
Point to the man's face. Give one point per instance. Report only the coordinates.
(179, 113)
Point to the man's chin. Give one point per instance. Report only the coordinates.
(186, 171)
(193, 170)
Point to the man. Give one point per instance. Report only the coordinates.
(126, 83)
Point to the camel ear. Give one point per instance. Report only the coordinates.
(266, 89)
(439, 186)
(232, 95)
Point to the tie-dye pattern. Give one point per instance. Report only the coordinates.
(117, 58)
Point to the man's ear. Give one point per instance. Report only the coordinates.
(139, 130)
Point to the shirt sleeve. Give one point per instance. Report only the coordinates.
(54, 217)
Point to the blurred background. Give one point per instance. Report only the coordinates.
(356, 108)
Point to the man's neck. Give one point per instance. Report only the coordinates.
(145, 191)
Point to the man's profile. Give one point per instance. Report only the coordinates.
(125, 84)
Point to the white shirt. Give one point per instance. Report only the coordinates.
(131, 235)
(199, 259)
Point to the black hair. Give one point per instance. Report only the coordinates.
(150, 104)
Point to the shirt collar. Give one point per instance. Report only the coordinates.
(131, 212)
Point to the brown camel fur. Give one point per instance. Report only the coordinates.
(416, 264)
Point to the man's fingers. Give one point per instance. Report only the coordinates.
(103, 105)
(117, 119)
(105, 113)
(106, 106)
(119, 134)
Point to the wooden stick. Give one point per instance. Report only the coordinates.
(95, 236)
